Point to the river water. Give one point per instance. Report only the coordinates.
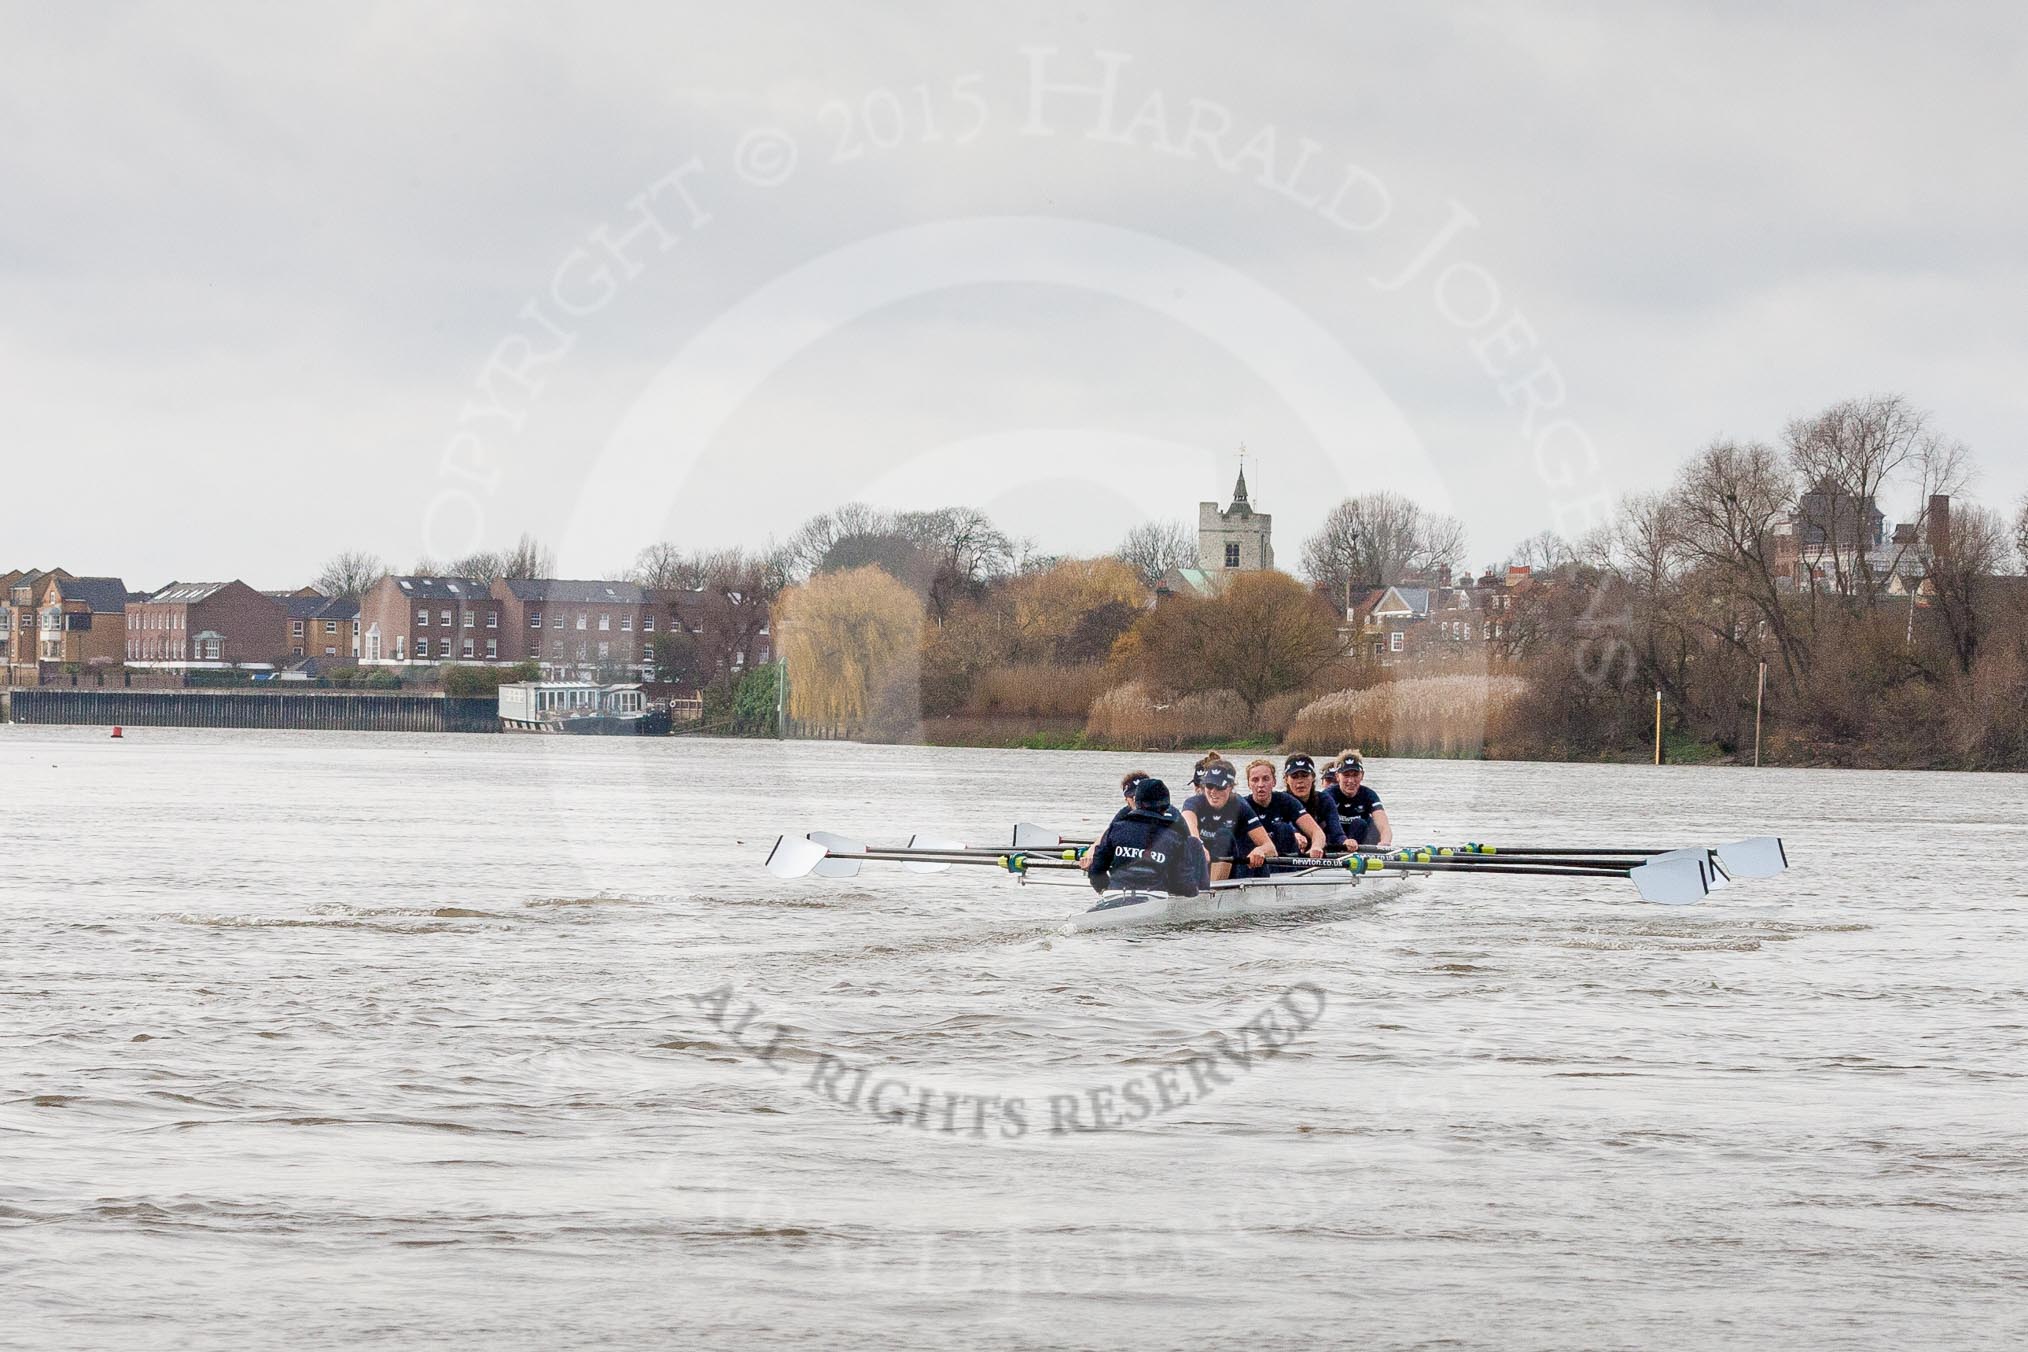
(496, 1042)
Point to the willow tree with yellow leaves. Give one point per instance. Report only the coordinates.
(853, 642)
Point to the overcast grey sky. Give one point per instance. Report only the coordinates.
(281, 280)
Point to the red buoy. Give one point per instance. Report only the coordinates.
(117, 732)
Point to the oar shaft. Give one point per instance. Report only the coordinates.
(1630, 851)
(1461, 863)
(1030, 857)
(1522, 870)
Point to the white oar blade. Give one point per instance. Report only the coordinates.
(1715, 878)
(834, 845)
(919, 842)
(1029, 836)
(794, 857)
(1676, 879)
(1760, 857)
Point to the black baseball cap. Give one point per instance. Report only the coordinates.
(1351, 765)
(1299, 764)
(1217, 777)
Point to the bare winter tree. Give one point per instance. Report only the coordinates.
(528, 559)
(1154, 547)
(350, 575)
(1845, 458)
(666, 567)
(1729, 501)
(1545, 551)
(964, 550)
(1376, 539)
(1960, 576)
(814, 540)
(740, 588)
(2021, 532)
(944, 554)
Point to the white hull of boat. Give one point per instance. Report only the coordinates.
(1225, 901)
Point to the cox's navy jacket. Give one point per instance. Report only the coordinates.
(1152, 851)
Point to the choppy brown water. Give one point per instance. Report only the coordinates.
(364, 1041)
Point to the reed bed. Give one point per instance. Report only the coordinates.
(1132, 716)
(1416, 716)
(1036, 690)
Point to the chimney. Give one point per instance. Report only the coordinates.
(1443, 575)
(1939, 524)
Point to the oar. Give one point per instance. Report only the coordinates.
(1463, 855)
(1028, 836)
(828, 855)
(1754, 857)
(1675, 879)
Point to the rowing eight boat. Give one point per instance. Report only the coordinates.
(1669, 877)
(1297, 892)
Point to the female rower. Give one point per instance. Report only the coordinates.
(1291, 827)
(1299, 777)
(1359, 809)
(1203, 763)
(1222, 820)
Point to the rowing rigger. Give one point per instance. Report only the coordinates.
(1663, 876)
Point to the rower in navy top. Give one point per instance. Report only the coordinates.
(1148, 848)
(1223, 821)
(1299, 776)
(1359, 809)
(1292, 828)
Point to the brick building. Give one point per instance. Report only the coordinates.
(206, 624)
(17, 615)
(424, 621)
(57, 618)
(1438, 621)
(581, 629)
(576, 629)
(334, 630)
(320, 627)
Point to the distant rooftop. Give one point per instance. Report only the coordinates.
(443, 588)
(187, 592)
(105, 595)
(577, 592)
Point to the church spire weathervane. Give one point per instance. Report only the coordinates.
(1239, 498)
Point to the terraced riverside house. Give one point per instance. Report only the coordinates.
(206, 625)
(575, 629)
(55, 618)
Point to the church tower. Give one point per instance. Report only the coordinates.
(1236, 539)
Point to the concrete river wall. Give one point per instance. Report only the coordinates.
(338, 710)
